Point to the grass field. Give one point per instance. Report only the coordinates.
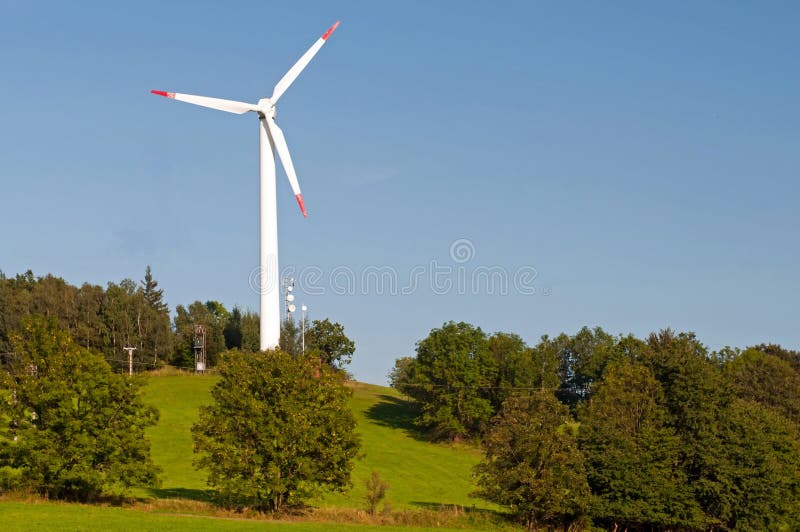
(421, 475)
(20, 516)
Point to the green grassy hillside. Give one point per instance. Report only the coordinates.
(420, 474)
(177, 398)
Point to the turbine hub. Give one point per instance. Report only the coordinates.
(266, 109)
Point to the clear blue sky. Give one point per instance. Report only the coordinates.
(643, 158)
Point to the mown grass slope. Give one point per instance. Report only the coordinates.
(421, 474)
(177, 398)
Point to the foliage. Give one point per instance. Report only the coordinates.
(251, 331)
(211, 315)
(70, 426)
(460, 376)
(105, 320)
(400, 374)
(788, 355)
(539, 368)
(233, 329)
(279, 427)
(582, 360)
(290, 340)
(135, 314)
(156, 329)
(152, 293)
(376, 491)
(631, 454)
(766, 379)
(763, 453)
(329, 339)
(694, 394)
(519, 368)
(242, 330)
(453, 364)
(533, 464)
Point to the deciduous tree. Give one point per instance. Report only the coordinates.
(328, 337)
(279, 427)
(763, 477)
(210, 316)
(694, 394)
(452, 370)
(766, 379)
(632, 455)
(69, 426)
(533, 464)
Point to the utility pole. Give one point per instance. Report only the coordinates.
(303, 327)
(130, 351)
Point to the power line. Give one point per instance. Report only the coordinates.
(479, 387)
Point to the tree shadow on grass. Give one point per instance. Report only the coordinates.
(396, 413)
(183, 493)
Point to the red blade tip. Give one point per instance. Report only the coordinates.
(330, 30)
(302, 205)
(164, 93)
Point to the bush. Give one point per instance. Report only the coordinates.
(376, 492)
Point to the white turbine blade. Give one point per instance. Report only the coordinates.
(230, 106)
(286, 160)
(298, 67)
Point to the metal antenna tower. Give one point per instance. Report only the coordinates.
(288, 297)
(199, 349)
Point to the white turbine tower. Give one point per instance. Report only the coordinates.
(271, 140)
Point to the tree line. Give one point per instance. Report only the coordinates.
(617, 431)
(129, 313)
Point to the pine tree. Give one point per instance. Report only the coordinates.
(152, 294)
(156, 337)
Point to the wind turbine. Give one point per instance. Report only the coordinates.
(271, 140)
